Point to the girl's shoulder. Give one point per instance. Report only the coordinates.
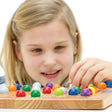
(2, 79)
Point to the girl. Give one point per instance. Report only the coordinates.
(43, 43)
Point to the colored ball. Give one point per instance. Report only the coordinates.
(26, 88)
(70, 86)
(64, 89)
(73, 91)
(78, 89)
(46, 90)
(85, 92)
(36, 88)
(90, 85)
(55, 87)
(12, 88)
(102, 85)
(108, 83)
(4, 85)
(49, 84)
(90, 91)
(93, 90)
(35, 93)
(36, 84)
(4, 89)
(17, 86)
(20, 93)
(58, 92)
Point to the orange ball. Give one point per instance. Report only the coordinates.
(55, 86)
(102, 85)
(12, 88)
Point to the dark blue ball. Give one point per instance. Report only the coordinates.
(17, 86)
(108, 83)
(73, 91)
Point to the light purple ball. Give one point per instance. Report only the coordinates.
(64, 89)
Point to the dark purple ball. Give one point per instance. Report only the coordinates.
(49, 84)
(85, 92)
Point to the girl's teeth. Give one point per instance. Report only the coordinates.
(51, 73)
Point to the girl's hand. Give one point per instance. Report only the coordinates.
(90, 70)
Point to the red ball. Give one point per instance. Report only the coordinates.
(46, 90)
(90, 91)
(20, 93)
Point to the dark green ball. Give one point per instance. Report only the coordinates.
(35, 93)
(26, 88)
(78, 89)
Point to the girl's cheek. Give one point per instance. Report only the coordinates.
(31, 59)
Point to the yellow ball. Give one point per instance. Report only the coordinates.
(93, 90)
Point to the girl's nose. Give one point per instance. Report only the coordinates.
(49, 59)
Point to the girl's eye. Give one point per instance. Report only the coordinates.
(37, 50)
(59, 47)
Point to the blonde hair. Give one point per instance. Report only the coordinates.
(30, 14)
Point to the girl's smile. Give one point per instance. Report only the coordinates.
(52, 74)
(47, 52)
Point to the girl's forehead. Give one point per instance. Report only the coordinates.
(51, 27)
(53, 31)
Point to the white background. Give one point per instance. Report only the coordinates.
(94, 18)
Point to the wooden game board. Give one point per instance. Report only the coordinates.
(100, 100)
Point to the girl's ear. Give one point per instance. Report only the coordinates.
(17, 51)
(76, 43)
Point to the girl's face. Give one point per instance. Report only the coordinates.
(47, 52)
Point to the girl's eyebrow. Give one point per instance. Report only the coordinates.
(61, 42)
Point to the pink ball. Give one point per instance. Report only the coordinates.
(64, 89)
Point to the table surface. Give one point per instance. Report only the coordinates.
(109, 109)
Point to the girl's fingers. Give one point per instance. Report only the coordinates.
(81, 73)
(90, 70)
(90, 74)
(74, 70)
(99, 77)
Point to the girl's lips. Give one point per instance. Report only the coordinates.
(49, 76)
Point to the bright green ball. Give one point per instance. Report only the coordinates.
(78, 89)
(35, 93)
(58, 92)
(90, 85)
(26, 88)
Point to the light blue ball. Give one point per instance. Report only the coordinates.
(70, 86)
(36, 84)
(4, 89)
(36, 88)
(4, 85)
